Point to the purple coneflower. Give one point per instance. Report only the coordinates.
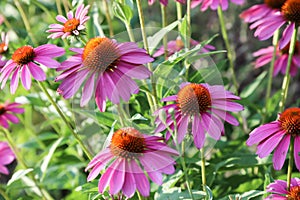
(265, 56)
(203, 107)
(71, 26)
(279, 190)
(277, 135)
(27, 60)
(7, 111)
(7, 156)
(130, 158)
(260, 11)
(177, 45)
(165, 2)
(289, 16)
(109, 68)
(3, 48)
(214, 4)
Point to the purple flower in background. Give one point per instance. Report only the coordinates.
(265, 56)
(288, 16)
(214, 4)
(277, 135)
(177, 45)
(108, 67)
(72, 25)
(129, 160)
(165, 2)
(260, 11)
(7, 156)
(279, 190)
(203, 107)
(7, 111)
(26, 61)
(3, 48)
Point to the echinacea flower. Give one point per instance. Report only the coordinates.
(260, 11)
(165, 2)
(108, 67)
(289, 16)
(7, 111)
(26, 61)
(72, 25)
(276, 136)
(3, 48)
(279, 190)
(7, 156)
(177, 45)
(214, 4)
(201, 106)
(130, 158)
(265, 56)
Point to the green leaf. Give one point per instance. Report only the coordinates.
(123, 12)
(177, 193)
(48, 157)
(250, 89)
(184, 29)
(154, 40)
(19, 174)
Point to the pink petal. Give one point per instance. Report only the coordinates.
(280, 152)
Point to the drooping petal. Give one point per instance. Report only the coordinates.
(280, 152)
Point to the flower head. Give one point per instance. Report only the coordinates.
(131, 156)
(214, 4)
(7, 111)
(26, 61)
(6, 157)
(177, 45)
(276, 136)
(265, 56)
(203, 107)
(289, 16)
(279, 190)
(3, 48)
(73, 25)
(108, 67)
(260, 11)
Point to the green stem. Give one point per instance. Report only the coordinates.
(182, 161)
(271, 70)
(19, 157)
(150, 67)
(140, 196)
(179, 13)
(129, 31)
(26, 22)
(230, 53)
(203, 169)
(58, 6)
(291, 164)
(76, 135)
(108, 18)
(188, 20)
(287, 77)
(164, 24)
(3, 194)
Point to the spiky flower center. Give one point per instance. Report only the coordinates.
(291, 10)
(101, 54)
(193, 99)
(290, 121)
(3, 48)
(285, 50)
(71, 25)
(179, 43)
(294, 193)
(23, 55)
(127, 143)
(275, 4)
(2, 109)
